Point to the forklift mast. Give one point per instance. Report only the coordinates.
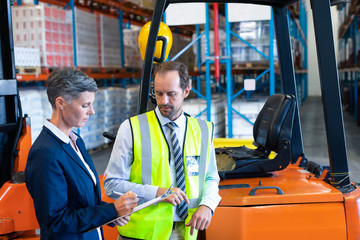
(10, 107)
(329, 78)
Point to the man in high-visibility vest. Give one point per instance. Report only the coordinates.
(163, 147)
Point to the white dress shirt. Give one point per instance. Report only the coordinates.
(118, 170)
(68, 139)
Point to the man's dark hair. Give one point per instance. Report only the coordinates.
(174, 66)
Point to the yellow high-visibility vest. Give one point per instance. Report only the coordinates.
(151, 166)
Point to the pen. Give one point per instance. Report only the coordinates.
(119, 193)
(122, 194)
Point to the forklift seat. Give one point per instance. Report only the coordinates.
(272, 132)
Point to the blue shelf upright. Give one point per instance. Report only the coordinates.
(230, 97)
(207, 62)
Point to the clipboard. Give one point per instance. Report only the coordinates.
(144, 205)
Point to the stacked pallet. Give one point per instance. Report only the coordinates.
(86, 39)
(131, 100)
(27, 60)
(195, 108)
(242, 125)
(114, 109)
(92, 132)
(49, 29)
(46, 28)
(131, 49)
(179, 43)
(109, 42)
(35, 104)
(112, 106)
(255, 33)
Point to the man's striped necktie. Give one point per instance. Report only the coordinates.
(182, 208)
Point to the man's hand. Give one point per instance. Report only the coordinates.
(126, 203)
(122, 221)
(200, 220)
(176, 198)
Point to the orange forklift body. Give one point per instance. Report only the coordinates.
(309, 208)
(23, 146)
(17, 214)
(295, 204)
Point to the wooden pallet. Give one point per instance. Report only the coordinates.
(251, 64)
(28, 70)
(113, 70)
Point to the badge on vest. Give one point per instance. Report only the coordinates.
(192, 165)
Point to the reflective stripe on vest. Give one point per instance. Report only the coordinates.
(151, 166)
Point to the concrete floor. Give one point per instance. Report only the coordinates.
(314, 136)
(101, 159)
(314, 139)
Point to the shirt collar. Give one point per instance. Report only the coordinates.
(58, 133)
(180, 121)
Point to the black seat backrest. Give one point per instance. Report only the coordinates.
(270, 122)
(272, 132)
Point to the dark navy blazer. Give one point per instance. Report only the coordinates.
(67, 202)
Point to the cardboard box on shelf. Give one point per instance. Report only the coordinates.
(198, 108)
(86, 39)
(110, 48)
(27, 57)
(43, 27)
(249, 109)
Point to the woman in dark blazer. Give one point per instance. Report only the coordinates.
(60, 174)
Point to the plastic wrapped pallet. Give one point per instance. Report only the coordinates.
(27, 57)
(254, 32)
(241, 127)
(87, 50)
(179, 43)
(92, 132)
(109, 42)
(46, 106)
(131, 100)
(132, 57)
(131, 37)
(46, 28)
(34, 103)
(196, 106)
(131, 49)
(147, 4)
(113, 109)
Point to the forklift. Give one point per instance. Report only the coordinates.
(17, 214)
(262, 198)
(285, 197)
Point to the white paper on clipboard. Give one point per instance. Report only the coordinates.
(144, 205)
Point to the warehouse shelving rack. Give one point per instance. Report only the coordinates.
(105, 77)
(350, 80)
(301, 75)
(197, 75)
(299, 31)
(229, 84)
(127, 14)
(209, 60)
(116, 9)
(120, 10)
(349, 71)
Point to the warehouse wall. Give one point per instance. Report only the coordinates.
(313, 72)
